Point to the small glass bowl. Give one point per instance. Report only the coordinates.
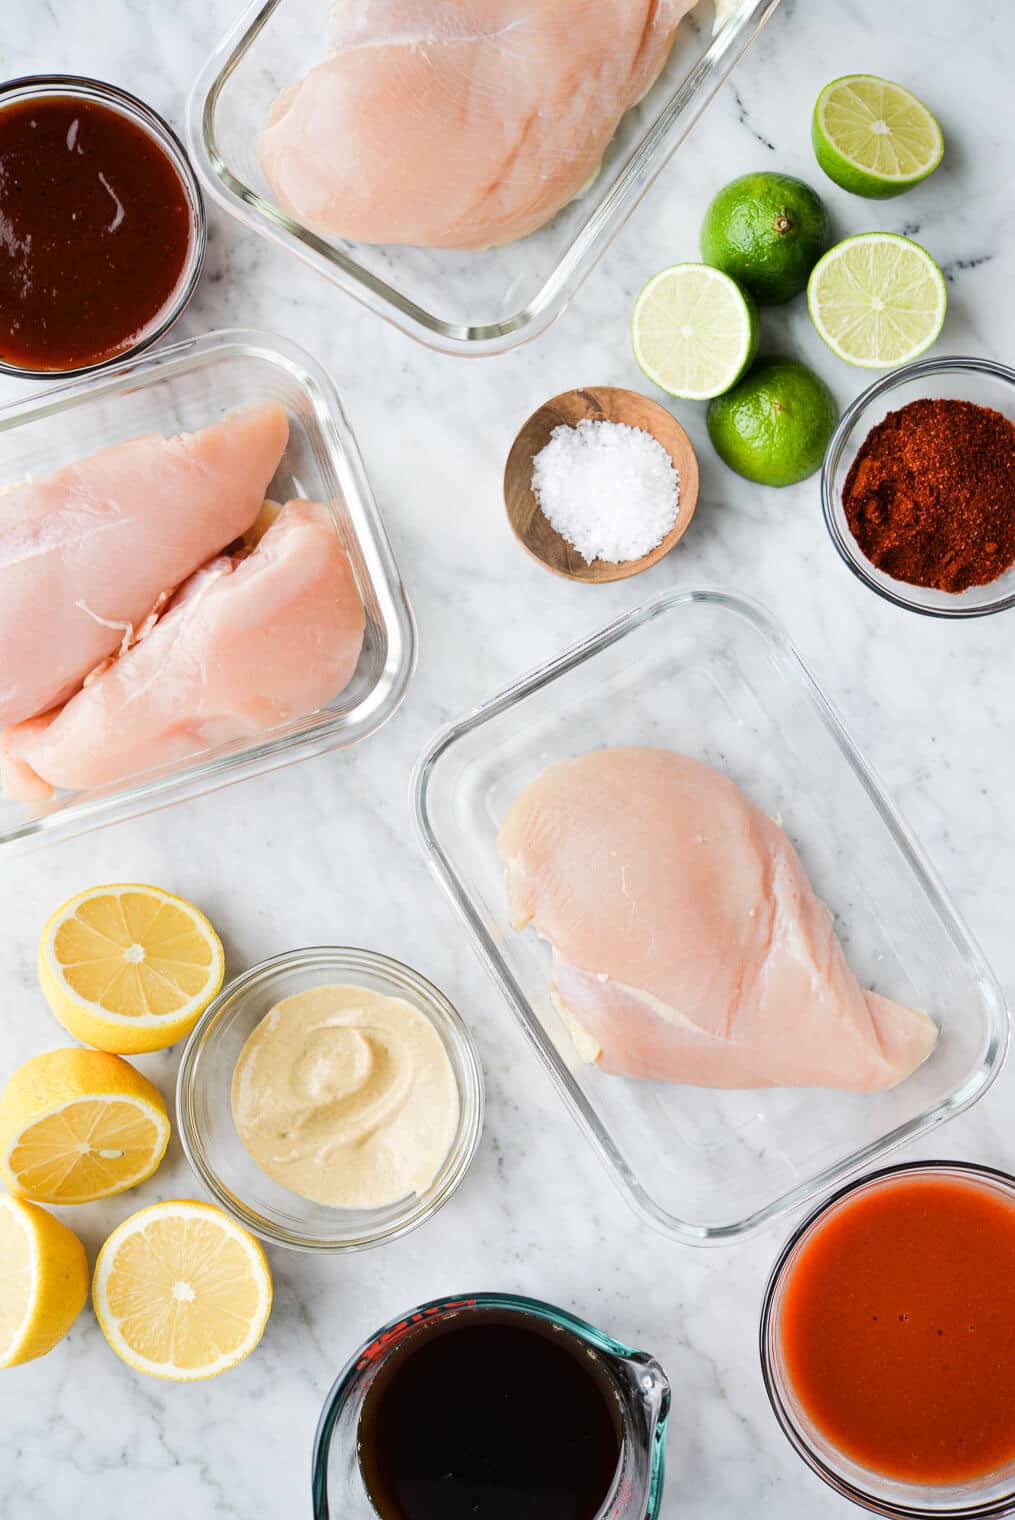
(992, 1495)
(78, 87)
(981, 381)
(204, 1107)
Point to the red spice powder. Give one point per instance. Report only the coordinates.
(930, 497)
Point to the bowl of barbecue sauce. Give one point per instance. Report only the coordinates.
(491, 1407)
(102, 227)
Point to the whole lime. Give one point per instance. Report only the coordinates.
(767, 231)
(774, 425)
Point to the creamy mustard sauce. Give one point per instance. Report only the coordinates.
(346, 1097)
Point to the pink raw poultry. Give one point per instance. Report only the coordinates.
(247, 643)
(460, 123)
(88, 553)
(688, 944)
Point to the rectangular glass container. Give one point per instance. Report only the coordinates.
(479, 302)
(710, 675)
(180, 389)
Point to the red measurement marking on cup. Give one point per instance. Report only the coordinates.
(395, 1333)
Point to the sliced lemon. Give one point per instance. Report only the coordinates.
(76, 1125)
(43, 1281)
(129, 968)
(181, 1291)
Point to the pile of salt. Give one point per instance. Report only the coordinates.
(610, 490)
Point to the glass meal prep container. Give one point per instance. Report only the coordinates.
(712, 676)
(180, 389)
(478, 302)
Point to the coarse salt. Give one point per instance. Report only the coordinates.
(610, 490)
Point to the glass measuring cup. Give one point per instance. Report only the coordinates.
(641, 1386)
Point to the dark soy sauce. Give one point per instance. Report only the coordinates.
(490, 1415)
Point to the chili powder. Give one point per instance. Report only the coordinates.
(930, 497)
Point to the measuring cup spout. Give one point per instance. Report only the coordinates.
(648, 1382)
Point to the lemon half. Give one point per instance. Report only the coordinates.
(77, 1125)
(129, 968)
(43, 1281)
(181, 1291)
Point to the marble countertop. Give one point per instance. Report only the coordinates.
(325, 852)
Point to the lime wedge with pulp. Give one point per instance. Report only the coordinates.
(878, 299)
(874, 138)
(694, 331)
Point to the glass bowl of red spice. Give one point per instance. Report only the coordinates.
(104, 226)
(888, 1341)
(918, 487)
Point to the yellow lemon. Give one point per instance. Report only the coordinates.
(181, 1291)
(129, 968)
(43, 1281)
(76, 1125)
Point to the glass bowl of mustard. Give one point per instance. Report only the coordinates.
(107, 233)
(341, 1097)
(933, 475)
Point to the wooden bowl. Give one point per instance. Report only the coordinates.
(602, 403)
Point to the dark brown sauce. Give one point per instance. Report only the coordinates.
(490, 1415)
(95, 231)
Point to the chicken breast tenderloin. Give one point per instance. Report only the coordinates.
(87, 554)
(460, 123)
(688, 944)
(249, 642)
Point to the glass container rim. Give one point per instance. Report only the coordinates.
(789, 661)
(849, 552)
(515, 1302)
(151, 121)
(429, 1000)
(975, 1171)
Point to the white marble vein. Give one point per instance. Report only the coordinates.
(325, 852)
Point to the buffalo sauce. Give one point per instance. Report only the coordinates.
(490, 1415)
(898, 1329)
(95, 232)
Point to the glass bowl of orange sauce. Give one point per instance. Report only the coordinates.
(103, 226)
(888, 1341)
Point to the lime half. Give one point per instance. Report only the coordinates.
(878, 299)
(694, 331)
(874, 138)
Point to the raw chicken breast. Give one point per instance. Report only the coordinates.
(688, 943)
(460, 123)
(88, 553)
(247, 643)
